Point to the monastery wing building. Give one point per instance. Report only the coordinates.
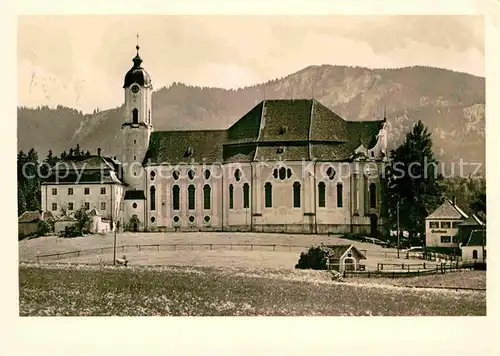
(285, 166)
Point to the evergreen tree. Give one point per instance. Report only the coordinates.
(413, 182)
(21, 201)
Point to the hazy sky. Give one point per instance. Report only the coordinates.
(80, 61)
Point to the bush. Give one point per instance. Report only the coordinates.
(72, 231)
(43, 228)
(315, 258)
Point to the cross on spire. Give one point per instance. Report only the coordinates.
(137, 46)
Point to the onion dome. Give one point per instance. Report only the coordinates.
(137, 74)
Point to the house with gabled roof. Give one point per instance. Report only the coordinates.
(285, 165)
(345, 257)
(474, 247)
(442, 225)
(29, 220)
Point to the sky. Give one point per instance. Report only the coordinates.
(80, 61)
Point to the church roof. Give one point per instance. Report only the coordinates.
(448, 210)
(281, 129)
(173, 147)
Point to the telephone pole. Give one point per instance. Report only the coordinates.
(397, 219)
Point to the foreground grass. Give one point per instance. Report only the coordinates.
(101, 291)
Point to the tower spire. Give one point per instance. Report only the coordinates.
(137, 59)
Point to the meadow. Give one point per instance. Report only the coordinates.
(222, 255)
(62, 290)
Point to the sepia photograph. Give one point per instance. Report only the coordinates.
(251, 165)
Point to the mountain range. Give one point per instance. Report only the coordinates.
(450, 104)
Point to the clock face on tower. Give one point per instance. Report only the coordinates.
(135, 89)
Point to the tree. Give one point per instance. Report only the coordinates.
(413, 182)
(82, 216)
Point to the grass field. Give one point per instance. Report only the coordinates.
(223, 256)
(96, 290)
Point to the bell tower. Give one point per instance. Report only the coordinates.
(137, 125)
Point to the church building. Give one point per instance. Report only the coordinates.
(285, 166)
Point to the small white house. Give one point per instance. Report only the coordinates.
(441, 226)
(345, 257)
(474, 248)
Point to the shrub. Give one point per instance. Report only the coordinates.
(315, 258)
(43, 228)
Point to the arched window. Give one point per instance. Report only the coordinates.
(282, 173)
(176, 197)
(152, 196)
(322, 194)
(373, 195)
(135, 116)
(269, 195)
(246, 196)
(191, 197)
(206, 197)
(237, 175)
(231, 196)
(296, 195)
(474, 255)
(339, 195)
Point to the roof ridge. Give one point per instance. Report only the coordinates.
(310, 129)
(262, 119)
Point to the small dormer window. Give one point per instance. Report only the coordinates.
(188, 152)
(281, 150)
(283, 130)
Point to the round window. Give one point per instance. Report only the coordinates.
(134, 205)
(206, 218)
(191, 219)
(153, 219)
(176, 219)
(191, 174)
(207, 174)
(175, 175)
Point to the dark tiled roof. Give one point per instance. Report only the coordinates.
(247, 128)
(137, 74)
(85, 169)
(286, 120)
(471, 221)
(476, 238)
(283, 153)
(327, 126)
(173, 147)
(134, 195)
(305, 127)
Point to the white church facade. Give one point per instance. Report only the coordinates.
(285, 166)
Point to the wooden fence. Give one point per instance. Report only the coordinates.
(173, 247)
(180, 246)
(407, 271)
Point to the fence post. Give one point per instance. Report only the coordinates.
(274, 247)
(174, 246)
(251, 247)
(408, 268)
(392, 274)
(418, 273)
(424, 265)
(158, 247)
(403, 266)
(210, 247)
(139, 247)
(191, 247)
